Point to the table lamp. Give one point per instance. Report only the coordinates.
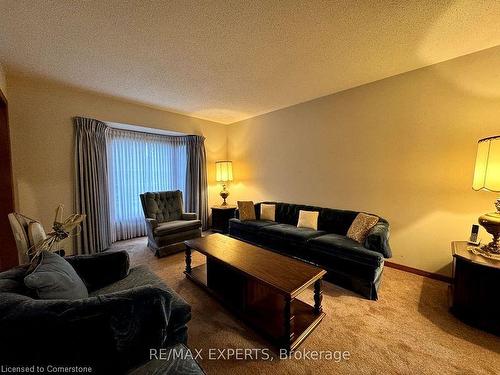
(487, 177)
(224, 173)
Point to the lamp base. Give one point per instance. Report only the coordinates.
(224, 194)
(493, 247)
(491, 222)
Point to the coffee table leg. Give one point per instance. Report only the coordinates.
(289, 318)
(318, 297)
(188, 259)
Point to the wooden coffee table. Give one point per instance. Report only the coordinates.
(260, 286)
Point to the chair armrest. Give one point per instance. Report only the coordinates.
(153, 223)
(378, 239)
(101, 269)
(189, 216)
(111, 332)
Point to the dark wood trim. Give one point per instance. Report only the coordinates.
(3, 98)
(8, 252)
(416, 271)
(318, 297)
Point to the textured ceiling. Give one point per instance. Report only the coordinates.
(229, 60)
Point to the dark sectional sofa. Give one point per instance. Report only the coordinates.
(128, 312)
(350, 264)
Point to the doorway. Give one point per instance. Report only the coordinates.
(8, 252)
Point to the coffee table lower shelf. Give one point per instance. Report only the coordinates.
(257, 304)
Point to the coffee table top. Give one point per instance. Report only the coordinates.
(287, 275)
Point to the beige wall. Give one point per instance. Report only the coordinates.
(42, 139)
(3, 81)
(403, 148)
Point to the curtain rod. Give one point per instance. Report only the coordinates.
(143, 129)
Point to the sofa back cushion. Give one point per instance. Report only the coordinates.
(336, 221)
(330, 220)
(163, 205)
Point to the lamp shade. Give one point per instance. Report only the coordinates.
(487, 169)
(224, 170)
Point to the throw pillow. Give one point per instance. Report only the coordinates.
(361, 226)
(308, 219)
(268, 212)
(55, 278)
(246, 210)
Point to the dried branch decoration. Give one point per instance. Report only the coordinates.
(61, 230)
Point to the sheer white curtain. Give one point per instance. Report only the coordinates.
(141, 162)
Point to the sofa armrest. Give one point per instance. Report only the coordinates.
(189, 216)
(101, 269)
(378, 239)
(109, 332)
(153, 223)
(179, 317)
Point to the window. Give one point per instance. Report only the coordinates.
(141, 162)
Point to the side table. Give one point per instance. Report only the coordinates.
(221, 216)
(475, 289)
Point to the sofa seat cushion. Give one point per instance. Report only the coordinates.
(141, 276)
(337, 246)
(138, 276)
(290, 232)
(175, 226)
(250, 225)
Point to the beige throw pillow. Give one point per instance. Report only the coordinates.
(268, 212)
(361, 226)
(246, 210)
(308, 219)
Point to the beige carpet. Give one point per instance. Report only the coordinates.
(408, 330)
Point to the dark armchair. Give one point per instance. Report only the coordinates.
(128, 312)
(167, 223)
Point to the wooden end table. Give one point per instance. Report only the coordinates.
(475, 289)
(221, 216)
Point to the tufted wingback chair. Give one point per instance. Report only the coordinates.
(167, 223)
